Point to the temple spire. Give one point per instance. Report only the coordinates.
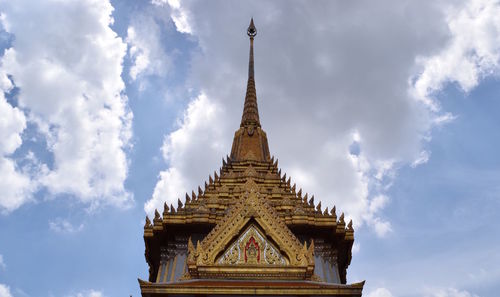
(250, 110)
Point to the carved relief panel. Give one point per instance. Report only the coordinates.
(252, 248)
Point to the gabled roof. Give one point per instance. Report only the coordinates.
(252, 207)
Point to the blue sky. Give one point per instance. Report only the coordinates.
(387, 110)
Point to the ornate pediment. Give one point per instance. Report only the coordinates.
(252, 235)
(252, 247)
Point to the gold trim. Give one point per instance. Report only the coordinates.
(172, 276)
(164, 280)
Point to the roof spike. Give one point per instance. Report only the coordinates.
(210, 180)
(341, 219)
(334, 209)
(279, 172)
(311, 201)
(311, 249)
(326, 211)
(276, 163)
(165, 208)
(179, 204)
(216, 177)
(193, 196)
(272, 160)
(250, 110)
(318, 208)
(148, 223)
(206, 186)
(220, 173)
(349, 226)
(288, 182)
(224, 164)
(187, 198)
(157, 215)
(172, 209)
(200, 192)
(306, 198)
(299, 193)
(284, 177)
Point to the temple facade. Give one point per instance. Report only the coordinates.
(250, 230)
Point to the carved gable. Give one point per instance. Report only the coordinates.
(251, 235)
(252, 248)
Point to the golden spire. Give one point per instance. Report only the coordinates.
(250, 110)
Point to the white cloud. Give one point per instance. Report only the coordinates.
(16, 186)
(421, 159)
(145, 48)
(472, 52)
(319, 90)
(68, 71)
(64, 226)
(449, 292)
(181, 149)
(5, 291)
(179, 15)
(380, 292)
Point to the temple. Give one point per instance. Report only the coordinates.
(250, 230)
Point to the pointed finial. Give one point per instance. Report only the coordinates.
(172, 209)
(157, 215)
(193, 195)
(165, 208)
(179, 203)
(250, 115)
(251, 31)
(349, 226)
(148, 223)
(341, 219)
(187, 198)
(326, 211)
(318, 208)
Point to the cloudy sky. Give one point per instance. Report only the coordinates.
(388, 110)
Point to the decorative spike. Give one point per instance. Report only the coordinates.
(191, 249)
(311, 201)
(349, 226)
(165, 208)
(216, 177)
(272, 159)
(157, 215)
(279, 172)
(206, 186)
(198, 248)
(299, 193)
(311, 248)
(305, 198)
(224, 164)
(276, 163)
(210, 180)
(193, 196)
(220, 172)
(326, 211)
(284, 177)
(172, 209)
(288, 182)
(200, 192)
(333, 212)
(341, 219)
(179, 204)
(148, 223)
(318, 208)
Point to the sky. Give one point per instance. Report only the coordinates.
(387, 109)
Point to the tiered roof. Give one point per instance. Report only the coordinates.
(249, 186)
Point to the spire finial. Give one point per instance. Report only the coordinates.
(250, 110)
(251, 31)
